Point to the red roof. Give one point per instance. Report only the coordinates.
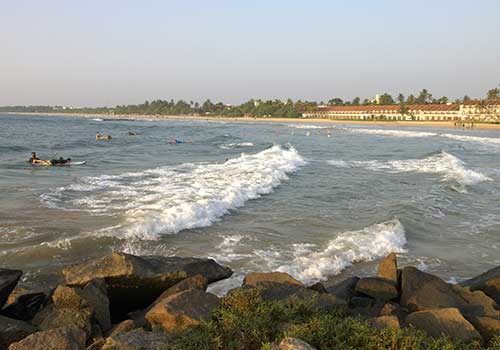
(381, 108)
(487, 102)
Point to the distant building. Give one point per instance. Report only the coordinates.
(473, 110)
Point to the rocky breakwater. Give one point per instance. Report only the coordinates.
(122, 301)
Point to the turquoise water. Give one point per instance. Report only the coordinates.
(319, 202)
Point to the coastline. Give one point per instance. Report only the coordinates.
(253, 120)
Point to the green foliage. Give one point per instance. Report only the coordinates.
(244, 321)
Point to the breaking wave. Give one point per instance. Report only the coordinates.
(311, 263)
(450, 167)
(236, 145)
(309, 126)
(388, 132)
(167, 200)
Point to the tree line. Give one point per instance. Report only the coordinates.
(251, 108)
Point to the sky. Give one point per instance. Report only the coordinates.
(109, 52)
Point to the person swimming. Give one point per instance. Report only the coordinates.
(176, 142)
(98, 136)
(48, 162)
(132, 133)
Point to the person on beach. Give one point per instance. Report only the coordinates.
(35, 160)
(98, 136)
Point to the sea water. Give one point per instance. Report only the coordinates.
(317, 201)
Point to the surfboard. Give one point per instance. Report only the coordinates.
(73, 163)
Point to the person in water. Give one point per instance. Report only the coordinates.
(49, 162)
(176, 142)
(98, 136)
(131, 133)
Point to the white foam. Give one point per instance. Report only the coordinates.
(477, 139)
(236, 145)
(443, 163)
(63, 244)
(167, 200)
(309, 126)
(310, 263)
(389, 132)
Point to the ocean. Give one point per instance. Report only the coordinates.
(320, 202)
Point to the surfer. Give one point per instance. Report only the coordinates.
(176, 142)
(131, 133)
(49, 162)
(98, 136)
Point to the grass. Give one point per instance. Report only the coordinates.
(245, 322)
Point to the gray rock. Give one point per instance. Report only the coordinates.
(138, 339)
(446, 321)
(64, 338)
(476, 303)
(377, 288)
(345, 289)
(25, 306)
(422, 291)
(488, 282)
(318, 287)
(135, 282)
(13, 330)
(124, 326)
(488, 327)
(8, 281)
(361, 302)
(182, 310)
(51, 317)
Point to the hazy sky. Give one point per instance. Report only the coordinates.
(107, 52)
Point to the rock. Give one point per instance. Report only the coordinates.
(488, 327)
(64, 338)
(447, 321)
(51, 317)
(25, 306)
(91, 297)
(8, 281)
(345, 289)
(183, 309)
(13, 330)
(135, 282)
(388, 269)
(318, 287)
(476, 303)
(488, 282)
(138, 339)
(256, 278)
(289, 343)
(360, 302)
(422, 291)
(390, 309)
(382, 322)
(96, 345)
(124, 326)
(377, 288)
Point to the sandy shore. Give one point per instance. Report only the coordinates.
(269, 120)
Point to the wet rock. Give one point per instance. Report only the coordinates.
(124, 326)
(91, 297)
(377, 288)
(476, 303)
(488, 282)
(422, 291)
(8, 281)
(388, 269)
(64, 338)
(318, 287)
(51, 317)
(289, 343)
(137, 339)
(447, 321)
(25, 306)
(256, 278)
(488, 327)
(382, 322)
(135, 282)
(13, 330)
(344, 290)
(183, 309)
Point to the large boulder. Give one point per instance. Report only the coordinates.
(24, 306)
(183, 310)
(135, 282)
(377, 288)
(138, 339)
(290, 343)
(488, 327)
(488, 282)
(64, 338)
(422, 291)
(476, 303)
(122, 327)
(256, 278)
(92, 297)
(51, 317)
(388, 269)
(13, 330)
(8, 281)
(446, 321)
(344, 290)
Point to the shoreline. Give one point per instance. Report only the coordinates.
(253, 120)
